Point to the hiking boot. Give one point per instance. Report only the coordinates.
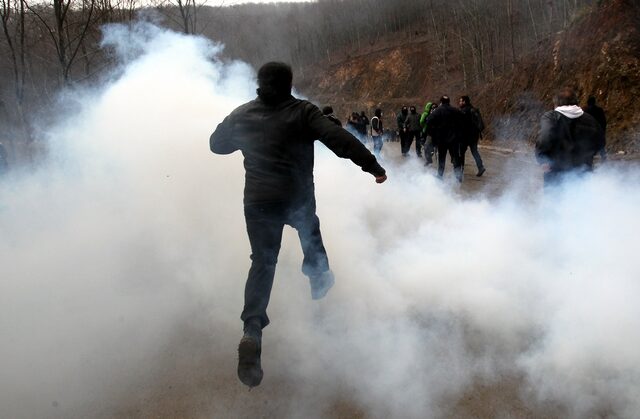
(321, 284)
(249, 368)
(481, 171)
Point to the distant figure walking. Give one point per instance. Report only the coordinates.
(568, 139)
(402, 130)
(476, 126)
(276, 133)
(364, 126)
(447, 127)
(353, 125)
(412, 126)
(598, 113)
(327, 111)
(377, 132)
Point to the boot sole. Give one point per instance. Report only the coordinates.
(249, 369)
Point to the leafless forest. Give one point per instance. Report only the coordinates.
(49, 45)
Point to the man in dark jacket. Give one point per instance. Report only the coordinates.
(447, 127)
(568, 139)
(276, 134)
(364, 125)
(598, 113)
(413, 130)
(476, 126)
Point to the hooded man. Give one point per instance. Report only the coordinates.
(428, 144)
(413, 130)
(568, 139)
(276, 133)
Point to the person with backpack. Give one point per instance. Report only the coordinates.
(426, 140)
(568, 139)
(377, 132)
(476, 126)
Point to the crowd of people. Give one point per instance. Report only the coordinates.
(440, 129)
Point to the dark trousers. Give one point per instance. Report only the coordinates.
(404, 145)
(473, 147)
(265, 223)
(456, 151)
(428, 149)
(414, 135)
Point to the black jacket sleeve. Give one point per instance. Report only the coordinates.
(546, 138)
(222, 141)
(340, 141)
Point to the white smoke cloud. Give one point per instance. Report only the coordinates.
(123, 260)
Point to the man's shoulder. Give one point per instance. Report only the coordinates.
(245, 107)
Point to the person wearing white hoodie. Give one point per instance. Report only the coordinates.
(568, 139)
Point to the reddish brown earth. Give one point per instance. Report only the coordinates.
(599, 54)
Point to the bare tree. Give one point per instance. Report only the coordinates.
(67, 28)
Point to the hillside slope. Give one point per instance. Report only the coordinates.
(599, 54)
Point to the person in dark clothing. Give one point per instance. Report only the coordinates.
(275, 133)
(447, 127)
(568, 139)
(364, 124)
(402, 130)
(377, 132)
(476, 126)
(598, 113)
(354, 125)
(4, 160)
(327, 111)
(412, 132)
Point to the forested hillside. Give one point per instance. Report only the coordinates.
(597, 53)
(353, 53)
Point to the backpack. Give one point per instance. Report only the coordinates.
(476, 118)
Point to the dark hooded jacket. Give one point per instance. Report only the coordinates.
(475, 124)
(447, 126)
(277, 142)
(412, 122)
(568, 143)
